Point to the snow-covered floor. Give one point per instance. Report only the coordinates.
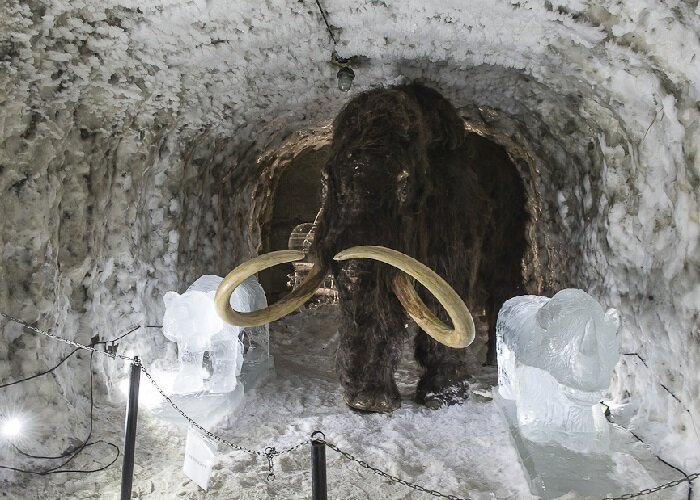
(462, 450)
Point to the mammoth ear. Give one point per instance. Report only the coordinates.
(169, 298)
(612, 316)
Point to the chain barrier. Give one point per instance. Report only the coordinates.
(386, 475)
(50, 335)
(271, 452)
(649, 491)
(669, 391)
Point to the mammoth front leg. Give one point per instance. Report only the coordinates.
(371, 332)
(445, 369)
(444, 379)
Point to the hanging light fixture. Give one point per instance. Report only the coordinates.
(345, 77)
(345, 74)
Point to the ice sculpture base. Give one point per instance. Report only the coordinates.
(207, 409)
(553, 470)
(210, 409)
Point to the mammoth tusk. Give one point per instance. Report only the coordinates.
(463, 332)
(288, 304)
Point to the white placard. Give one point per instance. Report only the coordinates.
(199, 457)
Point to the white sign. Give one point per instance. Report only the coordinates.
(199, 457)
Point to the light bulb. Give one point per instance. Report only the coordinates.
(345, 77)
(12, 427)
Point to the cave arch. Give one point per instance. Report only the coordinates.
(289, 190)
(505, 176)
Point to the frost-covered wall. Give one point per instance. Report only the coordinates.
(130, 132)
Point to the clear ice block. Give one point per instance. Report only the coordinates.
(556, 357)
(191, 320)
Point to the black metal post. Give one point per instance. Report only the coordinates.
(319, 488)
(132, 409)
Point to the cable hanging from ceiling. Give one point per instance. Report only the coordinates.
(325, 20)
(345, 74)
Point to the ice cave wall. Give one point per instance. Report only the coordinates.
(131, 132)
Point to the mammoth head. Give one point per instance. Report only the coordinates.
(579, 340)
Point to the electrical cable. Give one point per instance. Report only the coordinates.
(92, 344)
(325, 20)
(664, 387)
(678, 469)
(608, 417)
(78, 448)
(132, 330)
(8, 384)
(43, 473)
(71, 453)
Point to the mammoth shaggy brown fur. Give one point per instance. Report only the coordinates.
(396, 177)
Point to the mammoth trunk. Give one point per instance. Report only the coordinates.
(403, 173)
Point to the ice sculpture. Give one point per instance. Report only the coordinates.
(191, 320)
(250, 296)
(555, 360)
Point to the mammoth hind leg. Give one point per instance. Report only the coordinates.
(371, 331)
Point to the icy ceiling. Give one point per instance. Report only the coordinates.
(130, 133)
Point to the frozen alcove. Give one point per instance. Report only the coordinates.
(130, 164)
(292, 197)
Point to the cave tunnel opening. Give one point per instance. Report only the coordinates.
(500, 273)
(295, 199)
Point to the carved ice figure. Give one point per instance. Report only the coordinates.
(191, 320)
(250, 296)
(556, 357)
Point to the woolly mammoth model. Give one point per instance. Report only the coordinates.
(398, 193)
